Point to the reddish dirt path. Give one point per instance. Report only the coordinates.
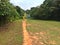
(27, 40)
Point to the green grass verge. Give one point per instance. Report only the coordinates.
(52, 29)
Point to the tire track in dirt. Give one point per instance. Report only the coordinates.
(26, 37)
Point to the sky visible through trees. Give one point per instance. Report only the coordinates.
(27, 4)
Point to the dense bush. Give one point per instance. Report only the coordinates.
(20, 11)
(8, 12)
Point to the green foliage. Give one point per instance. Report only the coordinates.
(50, 10)
(20, 11)
(8, 12)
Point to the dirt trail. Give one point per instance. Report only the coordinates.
(27, 40)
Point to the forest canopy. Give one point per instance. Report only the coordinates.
(49, 10)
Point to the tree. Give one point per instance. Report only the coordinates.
(20, 11)
(49, 10)
(7, 12)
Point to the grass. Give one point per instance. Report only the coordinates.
(48, 30)
(11, 34)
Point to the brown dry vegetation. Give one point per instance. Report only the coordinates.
(11, 34)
